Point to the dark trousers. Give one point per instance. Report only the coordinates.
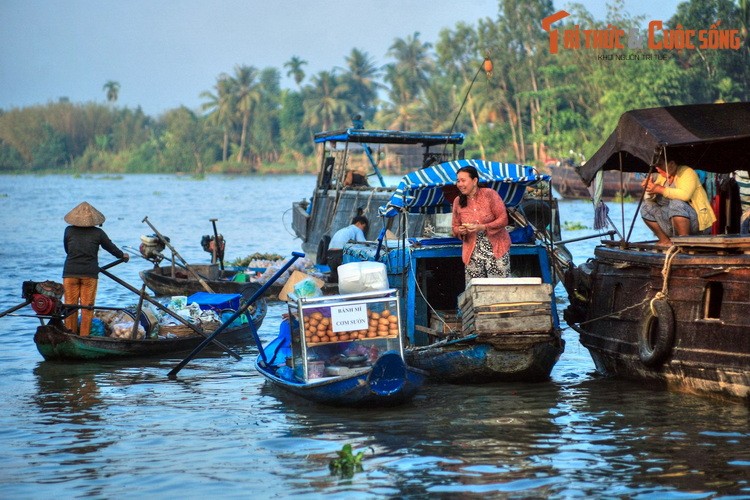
(334, 258)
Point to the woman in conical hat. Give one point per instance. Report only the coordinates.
(82, 240)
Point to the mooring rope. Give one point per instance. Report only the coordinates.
(665, 270)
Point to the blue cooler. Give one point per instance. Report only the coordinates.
(215, 301)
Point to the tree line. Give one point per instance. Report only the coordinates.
(534, 106)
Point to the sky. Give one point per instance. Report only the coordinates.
(164, 53)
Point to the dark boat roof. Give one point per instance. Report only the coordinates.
(388, 137)
(710, 137)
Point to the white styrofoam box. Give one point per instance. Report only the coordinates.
(357, 277)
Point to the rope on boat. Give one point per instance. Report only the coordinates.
(616, 313)
(660, 295)
(665, 270)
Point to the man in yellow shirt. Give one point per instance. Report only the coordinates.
(677, 204)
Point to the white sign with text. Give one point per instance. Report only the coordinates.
(349, 317)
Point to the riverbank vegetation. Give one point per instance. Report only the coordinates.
(536, 105)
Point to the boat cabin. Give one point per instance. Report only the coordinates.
(339, 195)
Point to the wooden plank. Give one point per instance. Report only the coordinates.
(484, 295)
(509, 325)
(520, 341)
(725, 241)
(508, 312)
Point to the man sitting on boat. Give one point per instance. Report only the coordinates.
(676, 203)
(335, 253)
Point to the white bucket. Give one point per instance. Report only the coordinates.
(357, 277)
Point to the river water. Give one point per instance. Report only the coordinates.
(124, 430)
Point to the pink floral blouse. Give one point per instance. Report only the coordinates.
(485, 208)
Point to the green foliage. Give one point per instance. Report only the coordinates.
(573, 226)
(534, 106)
(10, 158)
(50, 151)
(347, 462)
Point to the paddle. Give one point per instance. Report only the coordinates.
(169, 311)
(15, 308)
(190, 269)
(173, 373)
(136, 253)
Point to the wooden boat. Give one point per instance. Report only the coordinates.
(448, 340)
(673, 318)
(333, 203)
(567, 182)
(55, 342)
(344, 367)
(167, 281)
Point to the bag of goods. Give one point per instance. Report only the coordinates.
(123, 330)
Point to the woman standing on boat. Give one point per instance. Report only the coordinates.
(82, 240)
(479, 219)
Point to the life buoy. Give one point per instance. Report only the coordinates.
(321, 257)
(657, 335)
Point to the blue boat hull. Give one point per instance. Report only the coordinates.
(469, 361)
(388, 382)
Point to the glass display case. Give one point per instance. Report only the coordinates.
(340, 334)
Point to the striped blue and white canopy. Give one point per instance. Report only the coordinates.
(422, 191)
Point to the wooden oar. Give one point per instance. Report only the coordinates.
(187, 266)
(138, 310)
(258, 293)
(136, 253)
(171, 313)
(15, 308)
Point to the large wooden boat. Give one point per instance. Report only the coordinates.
(672, 317)
(324, 354)
(510, 330)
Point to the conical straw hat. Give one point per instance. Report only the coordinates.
(84, 215)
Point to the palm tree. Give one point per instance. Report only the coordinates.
(219, 106)
(325, 102)
(413, 61)
(113, 90)
(360, 80)
(401, 108)
(295, 70)
(245, 94)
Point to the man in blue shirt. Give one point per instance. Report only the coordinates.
(335, 253)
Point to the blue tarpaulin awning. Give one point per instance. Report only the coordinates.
(432, 189)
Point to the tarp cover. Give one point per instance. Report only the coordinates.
(431, 190)
(710, 137)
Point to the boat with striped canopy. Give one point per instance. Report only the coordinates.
(483, 331)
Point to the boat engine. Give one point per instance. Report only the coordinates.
(151, 247)
(209, 245)
(45, 296)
